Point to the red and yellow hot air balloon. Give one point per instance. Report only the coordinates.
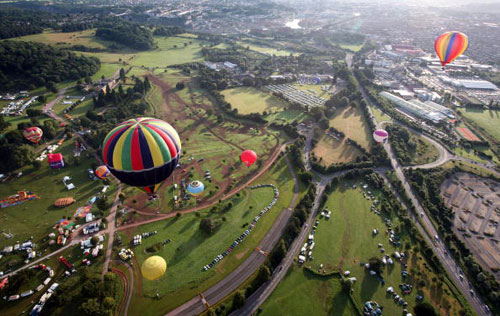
(33, 134)
(142, 152)
(102, 172)
(450, 45)
(248, 157)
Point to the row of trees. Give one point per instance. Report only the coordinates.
(26, 65)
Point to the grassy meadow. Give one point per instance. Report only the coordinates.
(250, 100)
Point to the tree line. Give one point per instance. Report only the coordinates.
(127, 34)
(26, 65)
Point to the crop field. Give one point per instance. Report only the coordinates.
(350, 121)
(329, 151)
(250, 100)
(489, 120)
(346, 241)
(190, 249)
(303, 293)
(36, 218)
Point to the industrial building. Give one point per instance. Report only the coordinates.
(426, 110)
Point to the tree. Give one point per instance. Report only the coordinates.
(3, 124)
(37, 164)
(375, 264)
(108, 304)
(91, 307)
(94, 240)
(346, 285)
(238, 300)
(424, 309)
(278, 254)
(122, 74)
(42, 98)
(207, 225)
(102, 203)
(263, 276)
(179, 85)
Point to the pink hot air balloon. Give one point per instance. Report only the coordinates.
(380, 135)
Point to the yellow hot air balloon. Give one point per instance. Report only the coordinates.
(153, 268)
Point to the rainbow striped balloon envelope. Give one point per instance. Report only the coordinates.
(142, 152)
(102, 172)
(450, 45)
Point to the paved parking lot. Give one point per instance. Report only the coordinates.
(476, 202)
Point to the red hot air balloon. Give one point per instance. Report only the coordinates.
(33, 134)
(248, 157)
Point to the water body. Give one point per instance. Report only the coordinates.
(293, 24)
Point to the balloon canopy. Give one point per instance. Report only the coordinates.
(102, 172)
(248, 157)
(450, 45)
(142, 152)
(195, 188)
(33, 134)
(153, 268)
(380, 135)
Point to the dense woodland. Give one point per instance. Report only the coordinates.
(17, 22)
(26, 66)
(128, 34)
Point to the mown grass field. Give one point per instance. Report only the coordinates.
(191, 249)
(350, 121)
(352, 48)
(329, 151)
(36, 218)
(250, 100)
(471, 154)
(489, 120)
(303, 293)
(345, 241)
(267, 50)
(379, 115)
(61, 39)
(287, 116)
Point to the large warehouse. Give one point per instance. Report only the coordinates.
(426, 110)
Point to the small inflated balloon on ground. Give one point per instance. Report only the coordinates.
(380, 135)
(153, 268)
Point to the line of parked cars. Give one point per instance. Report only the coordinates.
(250, 228)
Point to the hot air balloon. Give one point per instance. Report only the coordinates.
(450, 45)
(142, 152)
(195, 188)
(248, 157)
(380, 135)
(33, 134)
(153, 268)
(102, 172)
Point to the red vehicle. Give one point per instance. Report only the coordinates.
(68, 265)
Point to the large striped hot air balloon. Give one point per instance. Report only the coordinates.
(142, 152)
(450, 45)
(33, 134)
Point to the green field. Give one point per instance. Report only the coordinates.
(488, 120)
(61, 39)
(191, 249)
(36, 218)
(473, 154)
(329, 151)
(350, 121)
(345, 241)
(250, 100)
(267, 50)
(303, 293)
(352, 48)
(287, 116)
(379, 115)
(315, 88)
(425, 152)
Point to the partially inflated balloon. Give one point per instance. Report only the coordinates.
(153, 268)
(195, 188)
(33, 134)
(142, 152)
(102, 172)
(380, 135)
(248, 157)
(450, 45)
